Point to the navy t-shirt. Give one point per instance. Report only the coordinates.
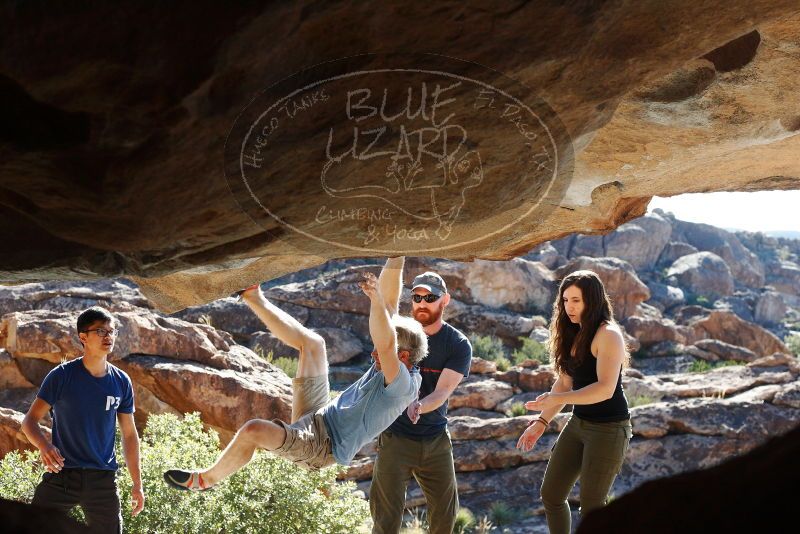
(84, 410)
(447, 349)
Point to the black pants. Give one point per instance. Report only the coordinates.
(95, 490)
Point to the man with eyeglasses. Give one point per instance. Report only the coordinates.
(418, 444)
(323, 431)
(86, 397)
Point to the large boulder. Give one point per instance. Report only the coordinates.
(225, 398)
(642, 125)
(71, 296)
(335, 291)
(665, 297)
(703, 274)
(11, 436)
(639, 242)
(341, 345)
(770, 308)
(51, 336)
(506, 325)
(233, 316)
(518, 284)
(728, 327)
(744, 264)
(619, 278)
(674, 250)
(784, 276)
(10, 374)
(546, 254)
(741, 305)
(722, 382)
(652, 330)
(726, 351)
(480, 392)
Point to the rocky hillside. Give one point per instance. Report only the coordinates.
(708, 314)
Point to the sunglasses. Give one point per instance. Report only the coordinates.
(104, 332)
(429, 298)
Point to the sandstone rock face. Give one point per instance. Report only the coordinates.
(703, 273)
(770, 308)
(651, 330)
(671, 117)
(785, 277)
(226, 398)
(665, 297)
(508, 326)
(547, 255)
(727, 327)
(10, 375)
(741, 306)
(341, 345)
(622, 285)
(234, 317)
(745, 266)
(674, 250)
(518, 285)
(480, 393)
(176, 366)
(639, 242)
(11, 436)
(726, 351)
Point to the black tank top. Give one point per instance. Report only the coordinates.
(613, 409)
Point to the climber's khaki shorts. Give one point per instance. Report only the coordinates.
(307, 441)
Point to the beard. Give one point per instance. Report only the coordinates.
(427, 317)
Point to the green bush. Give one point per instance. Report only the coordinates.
(284, 363)
(502, 514)
(270, 495)
(640, 400)
(20, 472)
(503, 364)
(792, 342)
(487, 347)
(699, 300)
(531, 350)
(464, 521)
(516, 410)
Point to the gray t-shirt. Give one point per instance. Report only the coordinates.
(366, 409)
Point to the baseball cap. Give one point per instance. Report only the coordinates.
(430, 281)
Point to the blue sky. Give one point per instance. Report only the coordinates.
(765, 211)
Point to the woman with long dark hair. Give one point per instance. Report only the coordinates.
(588, 352)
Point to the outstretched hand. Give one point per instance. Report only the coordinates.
(414, 411)
(369, 286)
(531, 435)
(543, 402)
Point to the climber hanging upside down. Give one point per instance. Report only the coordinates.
(323, 432)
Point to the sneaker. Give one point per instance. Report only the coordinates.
(186, 480)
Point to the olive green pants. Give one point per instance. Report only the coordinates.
(431, 463)
(593, 452)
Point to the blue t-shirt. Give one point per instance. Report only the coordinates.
(84, 410)
(366, 408)
(447, 349)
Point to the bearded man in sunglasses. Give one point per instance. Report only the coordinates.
(418, 444)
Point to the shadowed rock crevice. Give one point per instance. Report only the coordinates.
(735, 54)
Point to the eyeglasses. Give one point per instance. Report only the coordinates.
(429, 298)
(104, 332)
